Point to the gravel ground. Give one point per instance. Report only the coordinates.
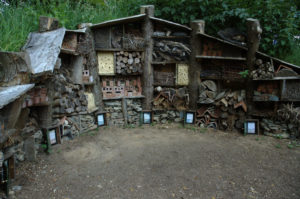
(163, 162)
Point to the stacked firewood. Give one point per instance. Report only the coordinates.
(169, 98)
(166, 50)
(128, 63)
(68, 98)
(207, 92)
(291, 115)
(263, 71)
(229, 106)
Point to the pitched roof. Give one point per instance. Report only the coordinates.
(245, 48)
(133, 18)
(170, 23)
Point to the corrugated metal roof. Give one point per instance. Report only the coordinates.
(43, 49)
(11, 93)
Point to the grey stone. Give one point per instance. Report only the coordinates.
(178, 120)
(29, 148)
(156, 118)
(20, 156)
(38, 135)
(17, 188)
(163, 121)
(113, 103)
(172, 114)
(164, 115)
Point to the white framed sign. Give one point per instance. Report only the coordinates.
(251, 127)
(52, 136)
(100, 120)
(147, 117)
(189, 118)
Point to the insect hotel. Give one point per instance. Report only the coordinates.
(135, 70)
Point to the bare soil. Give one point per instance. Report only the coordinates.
(164, 162)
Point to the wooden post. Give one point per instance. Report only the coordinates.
(48, 23)
(253, 37)
(124, 110)
(147, 69)
(195, 66)
(92, 61)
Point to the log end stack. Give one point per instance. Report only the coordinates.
(263, 71)
(129, 63)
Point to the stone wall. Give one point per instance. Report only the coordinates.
(167, 116)
(115, 115)
(134, 108)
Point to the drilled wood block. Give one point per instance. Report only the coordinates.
(182, 74)
(106, 63)
(91, 101)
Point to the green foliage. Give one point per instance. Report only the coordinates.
(278, 146)
(22, 17)
(244, 73)
(280, 19)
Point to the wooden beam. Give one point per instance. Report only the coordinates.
(147, 69)
(194, 66)
(253, 37)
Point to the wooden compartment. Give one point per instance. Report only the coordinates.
(164, 75)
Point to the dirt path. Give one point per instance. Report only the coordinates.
(164, 163)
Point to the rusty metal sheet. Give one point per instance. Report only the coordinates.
(10, 94)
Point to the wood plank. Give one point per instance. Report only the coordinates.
(171, 37)
(116, 49)
(220, 57)
(119, 21)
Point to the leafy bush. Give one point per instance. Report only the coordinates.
(279, 18)
(22, 17)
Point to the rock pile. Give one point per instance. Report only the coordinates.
(115, 115)
(68, 98)
(134, 108)
(166, 116)
(274, 128)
